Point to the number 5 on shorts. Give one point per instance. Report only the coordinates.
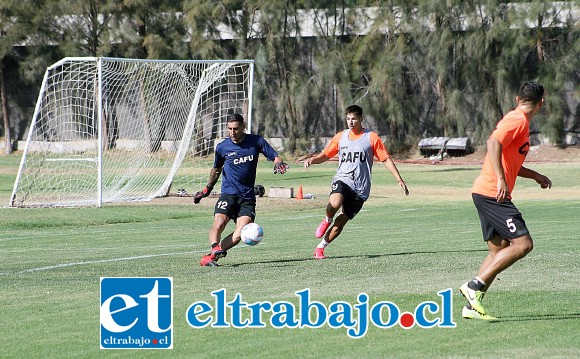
(510, 224)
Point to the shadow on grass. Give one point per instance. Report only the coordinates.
(370, 256)
(454, 169)
(530, 318)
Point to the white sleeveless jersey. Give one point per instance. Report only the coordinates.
(355, 163)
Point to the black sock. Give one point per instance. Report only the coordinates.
(213, 245)
(475, 284)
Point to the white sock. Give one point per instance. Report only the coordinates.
(323, 243)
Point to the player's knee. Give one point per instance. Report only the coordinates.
(525, 246)
(341, 221)
(332, 207)
(529, 246)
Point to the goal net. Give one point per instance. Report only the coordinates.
(116, 130)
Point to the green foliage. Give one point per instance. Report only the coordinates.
(149, 29)
(82, 27)
(418, 68)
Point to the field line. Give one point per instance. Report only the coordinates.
(70, 232)
(64, 265)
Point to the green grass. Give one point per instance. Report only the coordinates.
(398, 249)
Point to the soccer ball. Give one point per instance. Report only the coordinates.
(252, 234)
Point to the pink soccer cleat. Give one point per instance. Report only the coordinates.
(322, 228)
(319, 253)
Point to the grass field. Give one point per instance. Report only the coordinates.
(398, 249)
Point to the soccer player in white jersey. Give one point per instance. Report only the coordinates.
(356, 148)
(237, 158)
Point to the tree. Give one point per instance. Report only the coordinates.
(83, 27)
(151, 29)
(219, 31)
(553, 47)
(417, 67)
(383, 74)
(270, 32)
(14, 30)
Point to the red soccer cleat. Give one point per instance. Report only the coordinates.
(209, 260)
(218, 252)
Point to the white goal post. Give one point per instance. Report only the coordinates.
(116, 130)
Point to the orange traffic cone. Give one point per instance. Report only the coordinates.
(299, 195)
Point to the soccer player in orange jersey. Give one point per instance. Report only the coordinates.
(504, 229)
(351, 186)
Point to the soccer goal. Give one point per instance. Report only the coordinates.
(116, 130)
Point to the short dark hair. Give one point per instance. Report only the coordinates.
(531, 91)
(357, 110)
(236, 117)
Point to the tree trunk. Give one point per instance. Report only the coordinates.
(5, 111)
(442, 102)
(539, 47)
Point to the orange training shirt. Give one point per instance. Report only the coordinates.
(378, 146)
(513, 132)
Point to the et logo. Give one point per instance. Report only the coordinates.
(136, 313)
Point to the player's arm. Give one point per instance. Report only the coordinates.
(542, 180)
(330, 151)
(390, 165)
(494, 148)
(380, 152)
(214, 175)
(318, 159)
(280, 167)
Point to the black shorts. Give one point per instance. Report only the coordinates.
(235, 206)
(352, 203)
(501, 219)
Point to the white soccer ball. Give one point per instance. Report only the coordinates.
(252, 234)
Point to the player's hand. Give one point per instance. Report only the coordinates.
(403, 186)
(543, 181)
(503, 191)
(280, 167)
(206, 191)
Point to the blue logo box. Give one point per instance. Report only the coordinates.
(136, 313)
